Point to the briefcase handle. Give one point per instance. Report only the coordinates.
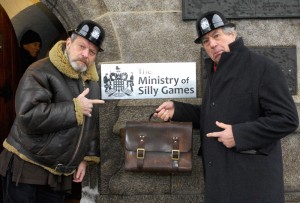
(151, 116)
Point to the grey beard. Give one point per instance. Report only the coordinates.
(74, 65)
(78, 68)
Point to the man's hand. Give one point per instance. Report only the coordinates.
(225, 136)
(165, 111)
(80, 172)
(87, 104)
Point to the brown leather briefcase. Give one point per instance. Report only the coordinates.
(158, 146)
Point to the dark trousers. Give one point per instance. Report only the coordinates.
(28, 193)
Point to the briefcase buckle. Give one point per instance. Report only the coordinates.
(175, 155)
(140, 153)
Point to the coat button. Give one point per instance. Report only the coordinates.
(210, 163)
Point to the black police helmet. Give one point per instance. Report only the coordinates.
(91, 31)
(209, 22)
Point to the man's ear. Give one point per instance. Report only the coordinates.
(234, 35)
(68, 42)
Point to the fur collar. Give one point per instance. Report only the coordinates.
(61, 62)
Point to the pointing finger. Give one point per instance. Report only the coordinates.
(221, 125)
(85, 92)
(97, 101)
(215, 134)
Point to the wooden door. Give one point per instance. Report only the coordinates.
(9, 76)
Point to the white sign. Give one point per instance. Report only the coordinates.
(148, 80)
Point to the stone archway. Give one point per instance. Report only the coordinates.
(66, 11)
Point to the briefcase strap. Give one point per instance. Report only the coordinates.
(175, 153)
(140, 152)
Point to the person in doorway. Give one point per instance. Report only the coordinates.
(30, 46)
(56, 130)
(245, 111)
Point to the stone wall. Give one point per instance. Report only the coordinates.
(153, 31)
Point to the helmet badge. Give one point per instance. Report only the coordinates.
(205, 25)
(84, 30)
(96, 33)
(217, 21)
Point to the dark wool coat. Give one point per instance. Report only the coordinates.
(250, 93)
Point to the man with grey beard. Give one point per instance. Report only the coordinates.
(56, 130)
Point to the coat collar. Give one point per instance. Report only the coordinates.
(236, 46)
(60, 61)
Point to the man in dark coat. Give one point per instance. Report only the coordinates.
(56, 130)
(246, 110)
(30, 46)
